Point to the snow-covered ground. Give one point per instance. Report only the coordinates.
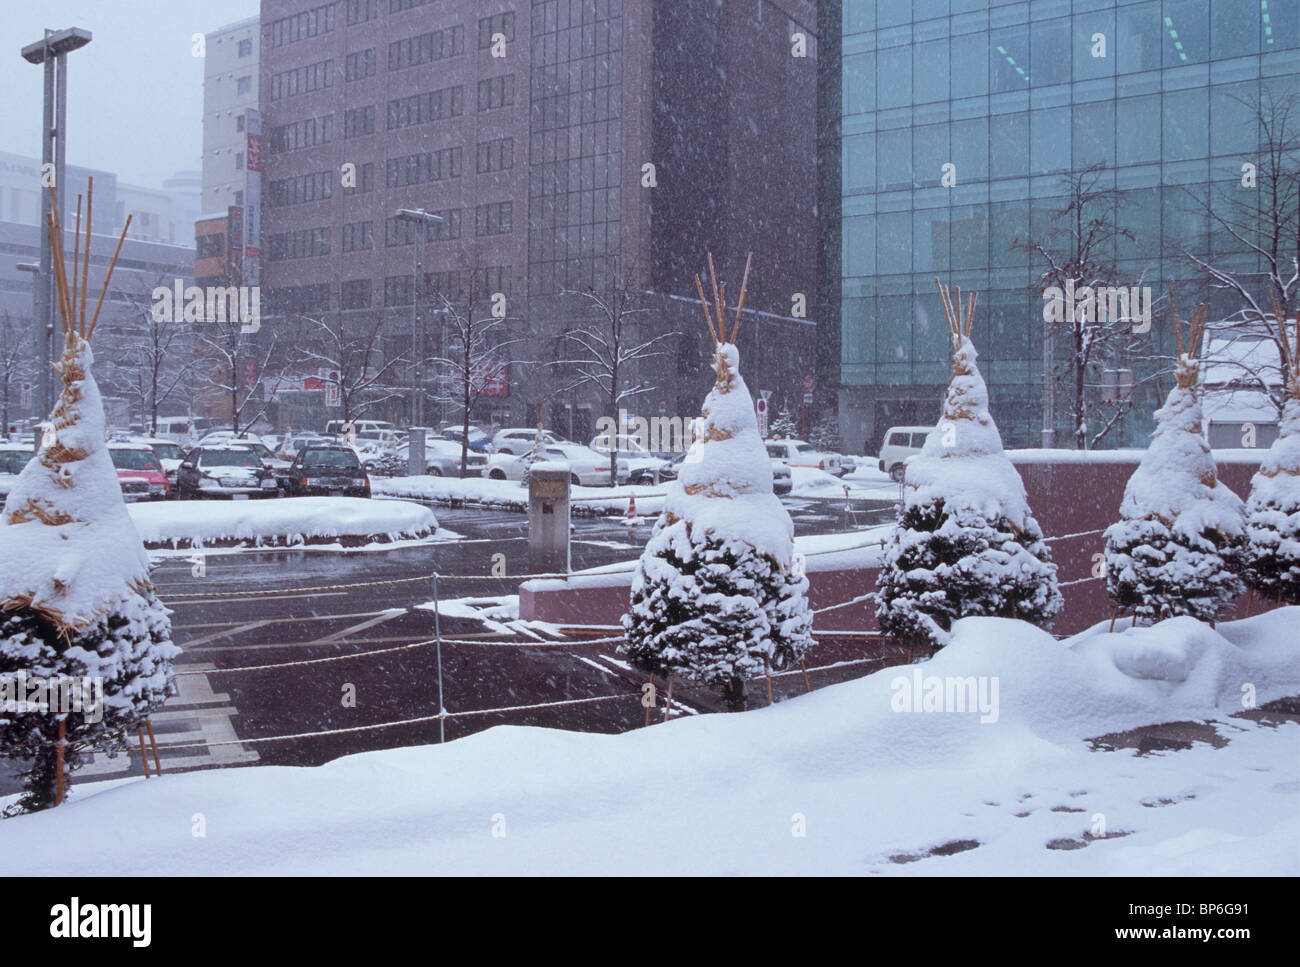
(284, 522)
(844, 780)
(864, 483)
(511, 495)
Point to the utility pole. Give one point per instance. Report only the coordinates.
(422, 220)
(51, 51)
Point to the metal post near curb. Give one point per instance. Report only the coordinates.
(437, 637)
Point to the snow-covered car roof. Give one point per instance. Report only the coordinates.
(226, 446)
(128, 445)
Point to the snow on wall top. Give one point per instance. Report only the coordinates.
(964, 464)
(1278, 479)
(724, 485)
(68, 547)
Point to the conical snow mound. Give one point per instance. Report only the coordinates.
(965, 543)
(717, 596)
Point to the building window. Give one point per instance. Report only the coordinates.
(359, 64)
(300, 80)
(497, 155)
(245, 48)
(430, 106)
(359, 11)
(210, 246)
(306, 133)
(416, 169)
(355, 294)
(399, 290)
(239, 122)
(357, 236)
(403, 231)
(493, 219)
(358, 121)
(496, 92)
(502, 23)
(365, 179)
(425, 48)
(301, 244)
(300, 26)
(244, 85)
(299, 189)
(239, 161)
(239, 198)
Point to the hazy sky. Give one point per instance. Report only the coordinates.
(135, 92)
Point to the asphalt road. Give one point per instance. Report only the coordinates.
(223, 629)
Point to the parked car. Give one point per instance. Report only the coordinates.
(848, 464)
(224, 470)
(798, 453)
(479, 441)
(169, 454)
(294, 443)
(373, 444)
(782, 481)
(332, 470)
(13, 457)
(586, 467)
(337, 428)
(442, 458)
(900, 443)
(519, 440)
(645, 466)
(139, 471)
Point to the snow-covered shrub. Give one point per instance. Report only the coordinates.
(1178, 547)
(74, 587)
(1272, 566)
(718, 596)
(965, 542)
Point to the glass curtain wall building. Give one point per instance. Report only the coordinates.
(1014, 97)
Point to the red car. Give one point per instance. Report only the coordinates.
(139, 471)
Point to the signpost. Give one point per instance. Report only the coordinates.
(761, 406)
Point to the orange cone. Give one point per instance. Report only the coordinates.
(631, 508)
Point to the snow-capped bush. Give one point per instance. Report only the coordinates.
(717, 596)
(965, 543)
(1178, 547)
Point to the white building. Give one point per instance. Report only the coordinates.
(230, 75)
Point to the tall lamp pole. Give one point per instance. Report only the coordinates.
(51, 51)
(422, 220)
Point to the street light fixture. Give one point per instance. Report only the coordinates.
(51, 51)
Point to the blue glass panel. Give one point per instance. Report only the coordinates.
(1139, 35)
(1049, 47)
(894, 77)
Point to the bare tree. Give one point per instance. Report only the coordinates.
(152, 355)
(15, 360)
(601, 352)
(476, 333)
(1077, 251)
(1261, 214)
(232, 352)
(351, 348)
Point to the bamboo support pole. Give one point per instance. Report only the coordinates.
(668, 703)
(705, 303)
(768, 669)
(85, 267)
(144, 753)
(744, 290)
(652, 704)
(108, 277)
(76, 256)
(806, 686)
(153, 744)
(60, 277)
(58, 764)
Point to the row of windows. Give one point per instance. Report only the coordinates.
(306, 133)
(299, 298)
(600, 39)
(580, 174)
(416, 169)
(403, 231)
(552, 15)
(300, 80)
(578, 141)
(300, 26)
(1051, 52)
(498, 155)
(429, 106)
(300, 244)
(360, 11)
(354, 294)
(365, 176)
(502, 23)
(397, 6)
(580, 107)
(427, 47)
(358, 236)
(493, 219)
(303, 188)
(359, 64)
(399, 290)
(575, 208)
(358, 121)
(494, 92)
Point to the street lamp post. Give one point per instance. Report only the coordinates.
(415, 447)
(51, 51)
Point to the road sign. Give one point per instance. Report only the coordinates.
(807, 399)
(663, 406)
(761, 406)
(808, 384)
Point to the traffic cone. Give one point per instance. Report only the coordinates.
(631, 509)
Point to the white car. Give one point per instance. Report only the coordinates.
(586, 467)
(799, 453)
(519, 440)
(900, 443)
(13, 457)
(442, 458)
(645, 465)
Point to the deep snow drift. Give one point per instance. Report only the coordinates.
(870, 787)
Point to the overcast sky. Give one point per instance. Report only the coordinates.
(135, 93)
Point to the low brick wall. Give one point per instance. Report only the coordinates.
(1071, 495)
